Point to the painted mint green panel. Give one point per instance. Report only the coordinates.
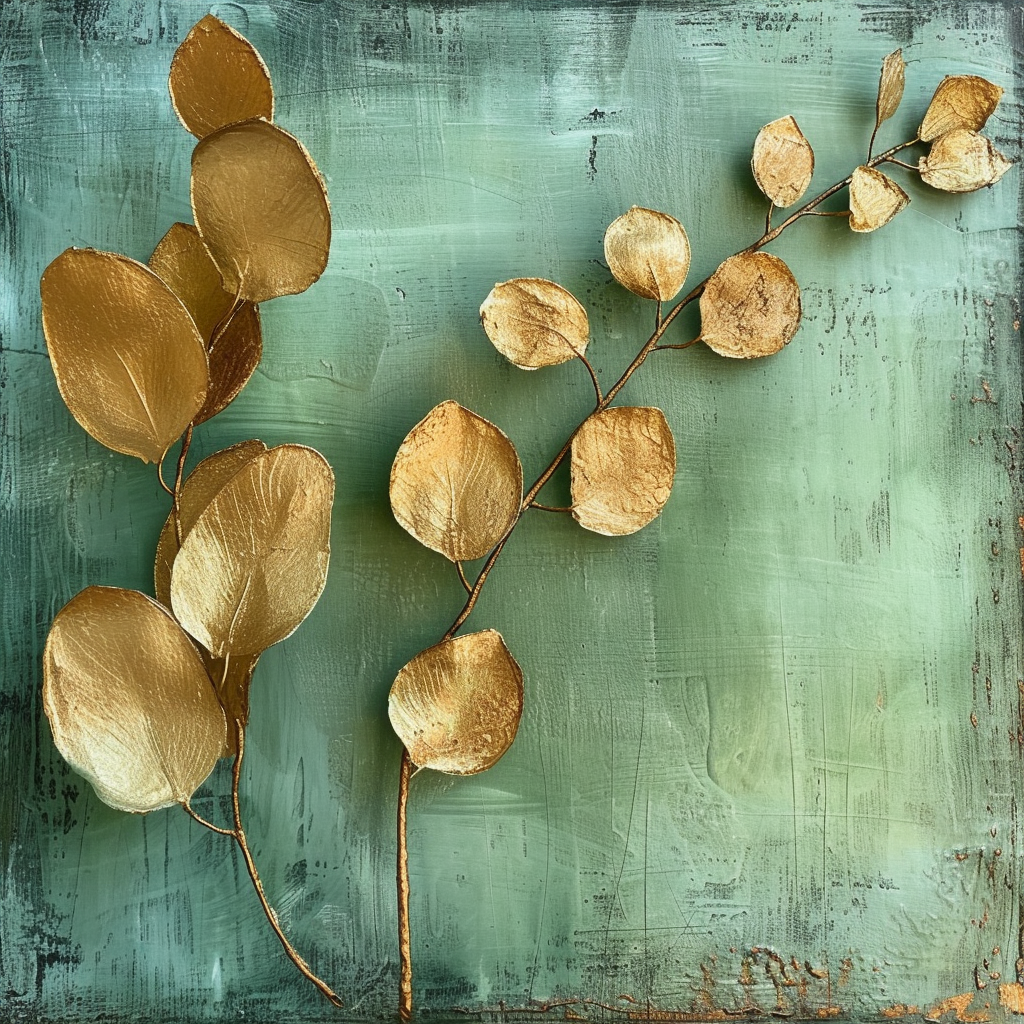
(783, 717)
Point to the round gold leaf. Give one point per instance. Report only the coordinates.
(456, 483)
(750, 306)
(261, 207)
(960, 101)
(962, 161)
(201, 486)
(217, 78)
(890, 87)
(129, 701)
(534, 323)
(648, 253)
(623, 462)
(874, 199)
(783, 161)
(129, 361)
(456, 706)
(255, 561)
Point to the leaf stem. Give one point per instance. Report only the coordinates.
(550, 508)
(462, 576)
(178, 477)
(187, 808)
(404, 939)
(593, 375)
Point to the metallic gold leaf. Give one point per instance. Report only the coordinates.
(960, 101)
(750, 306)
(534, 323)
(962, 161)
(261, 207)
(456, 483)
(874, 199)
(129, 701)
(217, 78)
(783, 161)
(456, 706)
(890, 87)
(235, 352)
(623, 462)
(129, 361)
(648, 253)
(255, 561)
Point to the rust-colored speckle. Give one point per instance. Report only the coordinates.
(960, 1006)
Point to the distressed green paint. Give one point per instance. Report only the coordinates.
(749, 725)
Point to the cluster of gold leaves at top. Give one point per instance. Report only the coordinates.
(457, 482)
(143, 696)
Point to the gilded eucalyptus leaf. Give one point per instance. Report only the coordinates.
(217, 78)
(648, 253)
(128, 359)
(890, 87)
(960, 101)
(783, 161)
(750, 306)
(456, 706)
(962, 161)
(874, 199)
(623, 462)
(456, 483)
(535, 323)
(235, 353)
(129, 700)
(261, 207)
(255, 561)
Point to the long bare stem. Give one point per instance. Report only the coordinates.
(404, 938)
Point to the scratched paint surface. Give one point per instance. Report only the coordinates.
(771, 750)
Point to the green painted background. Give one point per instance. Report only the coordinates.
(785, 715)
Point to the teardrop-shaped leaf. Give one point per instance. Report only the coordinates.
(235, 352)
(456, 706)
(255, 562)
(534, 323)
(648, 253)
(890, 87)
(623, 462)
(456, 483)
(129, 701)
(960, 101)
(750, 306)
(217, 78)
(783, 161)
(261, 207)
(874, 199)
(962, 161)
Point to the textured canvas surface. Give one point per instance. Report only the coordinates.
(785, 717)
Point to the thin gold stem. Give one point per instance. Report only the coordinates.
(657, 316)
(685, 344)
(550, 508)
(160, 477)
(462, 576)
(768, 217)
(593, 376)
(187, 808)
(404, 940)
(871, 144)
(178, 477)
(903, 163)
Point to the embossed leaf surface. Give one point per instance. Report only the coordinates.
(783, 161)
(129, 701)
(129, 361)
(960, 101)
(261, 207)
(962, 161)
(255, 562)
(890, 87)
(648, 253)
(456, 483)
(456, 706)
(534, 323)
(217, 78)
(874, 199)
(623, 462)
(750, 306)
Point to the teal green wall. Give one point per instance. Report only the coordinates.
(785, 715)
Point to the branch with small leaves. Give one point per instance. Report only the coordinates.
(457, 483)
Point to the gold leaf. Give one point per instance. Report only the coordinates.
(261, 207)
(960, 101)
(129, 701)
(783, 161)
(456, 483)
(129, 361)
(874, 199)
(962, 161)
(255, 561)
(456, 706)
(235, 352)
(623, 462)
(648, 253)
(890, 87)
(534, 323)
(750, 306)
(217, 78)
